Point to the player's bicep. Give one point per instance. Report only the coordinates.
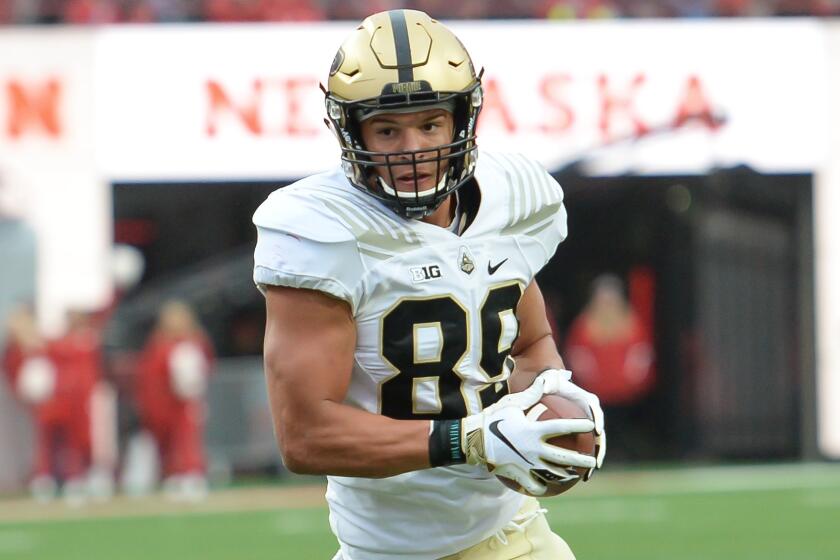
(533, 322)
(309, 344)
(534, 349)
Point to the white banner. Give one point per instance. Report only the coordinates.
(47, 165)
(150, 103)
(221, 102)
(827, 271)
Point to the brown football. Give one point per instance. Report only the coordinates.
(554, 406)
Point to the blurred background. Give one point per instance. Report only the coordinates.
(698, 293)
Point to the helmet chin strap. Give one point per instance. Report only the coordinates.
(404, 194)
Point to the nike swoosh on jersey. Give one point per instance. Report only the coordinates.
(491, 270)
(494, 429)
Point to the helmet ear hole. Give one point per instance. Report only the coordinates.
(477, 97)
(334, 112)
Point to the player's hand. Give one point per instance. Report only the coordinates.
(558, 382)
(511, 445)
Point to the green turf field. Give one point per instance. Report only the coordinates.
(744, 513)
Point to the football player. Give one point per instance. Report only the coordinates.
(398, 288)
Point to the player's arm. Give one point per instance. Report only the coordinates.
(310, 339)
(534, 349)
(501, 436)
(539, 368)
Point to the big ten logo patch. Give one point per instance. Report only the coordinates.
(425, 273)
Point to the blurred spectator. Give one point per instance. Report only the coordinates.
(223, 10)
(7, 13)
(644, 9)
(90, 11)
(737, 8)
(32, 379)
(609, 350)
(25, 11)
(18, 250)
(690, 8)
(356, 11)
(797, 8)
(54, 380)
(50, 11)
(78, 361)
(288, 10)
(137, 11)
(578, 9)
(171, 386)
(558, 9)
(178, 10)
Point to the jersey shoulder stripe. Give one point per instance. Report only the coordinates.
(534, 197)
(325, 208)
(378, 234)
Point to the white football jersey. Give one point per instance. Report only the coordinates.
(435, 318)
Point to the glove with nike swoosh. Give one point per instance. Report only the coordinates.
(511, 445)
(558, 382)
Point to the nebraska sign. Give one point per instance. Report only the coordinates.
(32, 107)
(244, 101)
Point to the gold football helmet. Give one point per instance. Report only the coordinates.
(398, 61)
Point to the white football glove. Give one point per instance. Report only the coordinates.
(511, 445)
(557, 382)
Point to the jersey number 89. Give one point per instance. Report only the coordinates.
(445, 322)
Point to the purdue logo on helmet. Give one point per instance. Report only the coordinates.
(403, 59)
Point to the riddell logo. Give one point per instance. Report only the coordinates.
(406, 87)
(33, 108)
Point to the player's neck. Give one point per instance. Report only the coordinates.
(444, 214)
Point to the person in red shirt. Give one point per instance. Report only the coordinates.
(171, 385)
(78, 361)
(610, 351)
(54, 379)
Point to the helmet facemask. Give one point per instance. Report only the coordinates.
(404, 61)
(368, 170)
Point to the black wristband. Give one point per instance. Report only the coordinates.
(445, 443)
